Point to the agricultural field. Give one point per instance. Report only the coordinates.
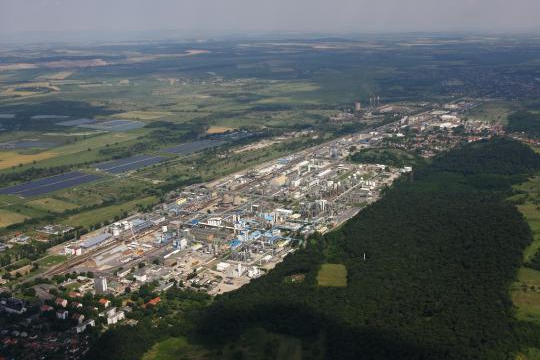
(9, 159)
(332, 275)
(218, 129)
(56, 110)
(8, 218)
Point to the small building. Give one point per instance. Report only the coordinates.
(222, 266)
(72, 250)
(141, 275)
(12, 305)
(123, 273)
(113, 316)
(153, 302)
(61, 302)
(45, 308)
(77, 305)
(74, 294)
(104, 302)
(82, 327)
(164, 286)
(78, 317)
(62, 314)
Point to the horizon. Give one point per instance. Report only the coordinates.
(60, 19)
(85, 37)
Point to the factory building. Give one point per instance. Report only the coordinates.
(94, 241)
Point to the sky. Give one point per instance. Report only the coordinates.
(259, 16)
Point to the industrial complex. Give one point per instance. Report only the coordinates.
(215, 237)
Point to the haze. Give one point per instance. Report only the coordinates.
(262, 16)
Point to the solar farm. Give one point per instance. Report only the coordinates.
(130, 163)
(110, 125)
(193, 147)
(50, 184)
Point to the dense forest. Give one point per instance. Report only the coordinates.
(428, 273)
(387, 156)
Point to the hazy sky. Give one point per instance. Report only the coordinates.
(270, 15)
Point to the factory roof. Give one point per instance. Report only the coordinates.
(235, 244)
(94, 240)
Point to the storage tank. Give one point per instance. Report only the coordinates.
(237, 200)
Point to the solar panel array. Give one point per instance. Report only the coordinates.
(130, 163)
(49, 184)
(192, 147)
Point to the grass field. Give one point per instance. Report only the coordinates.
(143, 115)
(492, 112)
(526, 289)
(85, 149)
(529, 354)
(92, 217)
(333, 275)
(532, 215)
(218, 129)
(530, 191)
(52, 205)
(51, 260)
(9, 159)
(170, 349)
(253, 345)
(7, 218)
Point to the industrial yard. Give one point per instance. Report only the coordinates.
(217, 236)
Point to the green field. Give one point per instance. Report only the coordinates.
(526, 290)
(332, 275)
(526, 295)
(51, 260)
(7, 218)
(170, 349)
(52, 205)
(100, 215)
(492, 112)
(255, 344)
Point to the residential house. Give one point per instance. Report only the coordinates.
(78, 317)
(153, 302)
(104, 302)
(61, 302)
(45, 308)
(62, 314)
(82, 326)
